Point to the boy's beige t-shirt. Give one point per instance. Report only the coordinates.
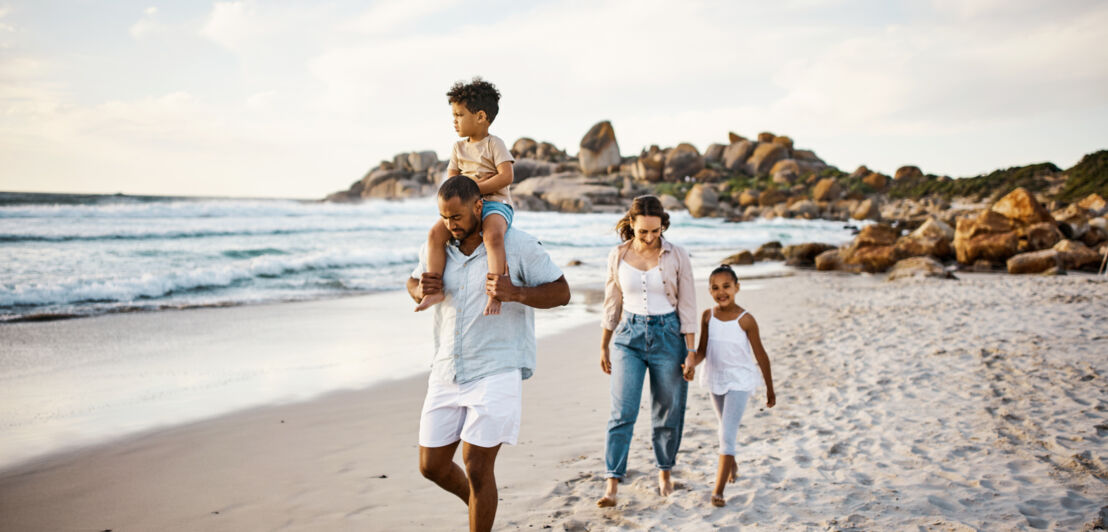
(479, 159)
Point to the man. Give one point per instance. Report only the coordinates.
(474, 393)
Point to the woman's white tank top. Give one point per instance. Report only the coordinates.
(644, 293)
(730, 363)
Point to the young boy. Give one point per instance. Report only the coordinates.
(485, 159)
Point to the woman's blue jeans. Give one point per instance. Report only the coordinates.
(646, 344)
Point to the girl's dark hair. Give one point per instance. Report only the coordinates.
(724, 268)
(641, 206)
(477, 95)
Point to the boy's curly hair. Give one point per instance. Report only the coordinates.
(477, 95)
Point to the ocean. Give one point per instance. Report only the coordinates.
(67, 256)
(103, 331)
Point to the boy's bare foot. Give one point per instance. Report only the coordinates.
(665, 484)
(718, 500)
(429, 300)
(609, 498)
(734, 473)
(492, 308)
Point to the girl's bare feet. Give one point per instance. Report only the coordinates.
(429, 300)
(718, 500)
(492, 308)
(665, 484)
(734, 473)
(609, 498)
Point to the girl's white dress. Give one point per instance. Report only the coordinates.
(730, 363)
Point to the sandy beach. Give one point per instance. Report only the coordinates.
(976, 404)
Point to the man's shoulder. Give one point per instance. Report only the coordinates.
(517, 238)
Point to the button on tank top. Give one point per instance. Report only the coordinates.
(730, 363)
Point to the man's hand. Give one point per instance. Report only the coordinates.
(500, 287)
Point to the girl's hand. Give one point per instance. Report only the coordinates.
(771, 399)
(605, 361)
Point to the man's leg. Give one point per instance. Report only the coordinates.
(480, 462)
(437, 465)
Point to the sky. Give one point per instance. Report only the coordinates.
(261, 98)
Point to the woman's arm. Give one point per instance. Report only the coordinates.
(605, 356)
(751, 327)
(686, 292)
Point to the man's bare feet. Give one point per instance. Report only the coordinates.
(665, 484)
(492, 308)
(734, 473)
(609, 498)
(429, 300)
(718, 500)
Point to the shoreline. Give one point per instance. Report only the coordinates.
(932, 403)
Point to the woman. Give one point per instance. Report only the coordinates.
(650, 303)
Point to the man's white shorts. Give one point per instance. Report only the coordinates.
(484, 412)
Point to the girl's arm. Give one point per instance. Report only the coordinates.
(751, 327)
(504, 177)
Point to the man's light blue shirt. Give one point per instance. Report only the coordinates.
(470, 345)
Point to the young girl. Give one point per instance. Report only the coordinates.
(730, 344)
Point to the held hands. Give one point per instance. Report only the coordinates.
(500, 287)
(430, 284)
(689, 367)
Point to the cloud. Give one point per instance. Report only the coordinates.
(148, 25)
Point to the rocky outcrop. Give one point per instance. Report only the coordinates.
(866, 209)
(933, 238)
(648, 167)
(1077, 256)
(599, 149)
(826, 190)
(741, 258)
(735, 155)
(907, 172)
(804, 255)
(566, 193)
(1016, 223)
(876, 181)
(681, 162)
(526, 148)
(771, 197)
(671, 203)
(1021, 206)
(769, 251)
(765, 155)
(873, 249)
(407, 175)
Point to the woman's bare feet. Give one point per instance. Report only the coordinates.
(718, 500)
(492, 308)
(609, 498)
(429, 300)
(665, 484)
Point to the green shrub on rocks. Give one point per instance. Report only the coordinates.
(1086, 177)
(1033, 177)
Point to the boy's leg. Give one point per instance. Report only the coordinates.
(437, 239)
(493, 228)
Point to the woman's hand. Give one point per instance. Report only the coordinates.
(689, 367)
(605, 361)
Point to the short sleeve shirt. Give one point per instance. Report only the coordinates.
(478, 160)
(469, 345)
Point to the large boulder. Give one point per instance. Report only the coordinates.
(769, 251)
(764, 157)
(873, 249)
(1075, 219)
(420, 161)
(733, 137)
(714, 153)
(1075, 255)
(528, 168)
(648, 167)
(989, 236)
(1042, 235)
(524, 147)
(907, 172)
(1035, 261)
(806, 209)
(771, 197)
(917, 268)
(748, 197)
(735, 155)
(766, 136)
(933, 238)
(1021, 206)
(568, 192)
(681, 162)
(876, 181)
(831, 260)
(741, 258)
(861, 171)
(702, 201)
(671, 203)
(827, 189)
(867, 209)
(804, 254)
(599, 149)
